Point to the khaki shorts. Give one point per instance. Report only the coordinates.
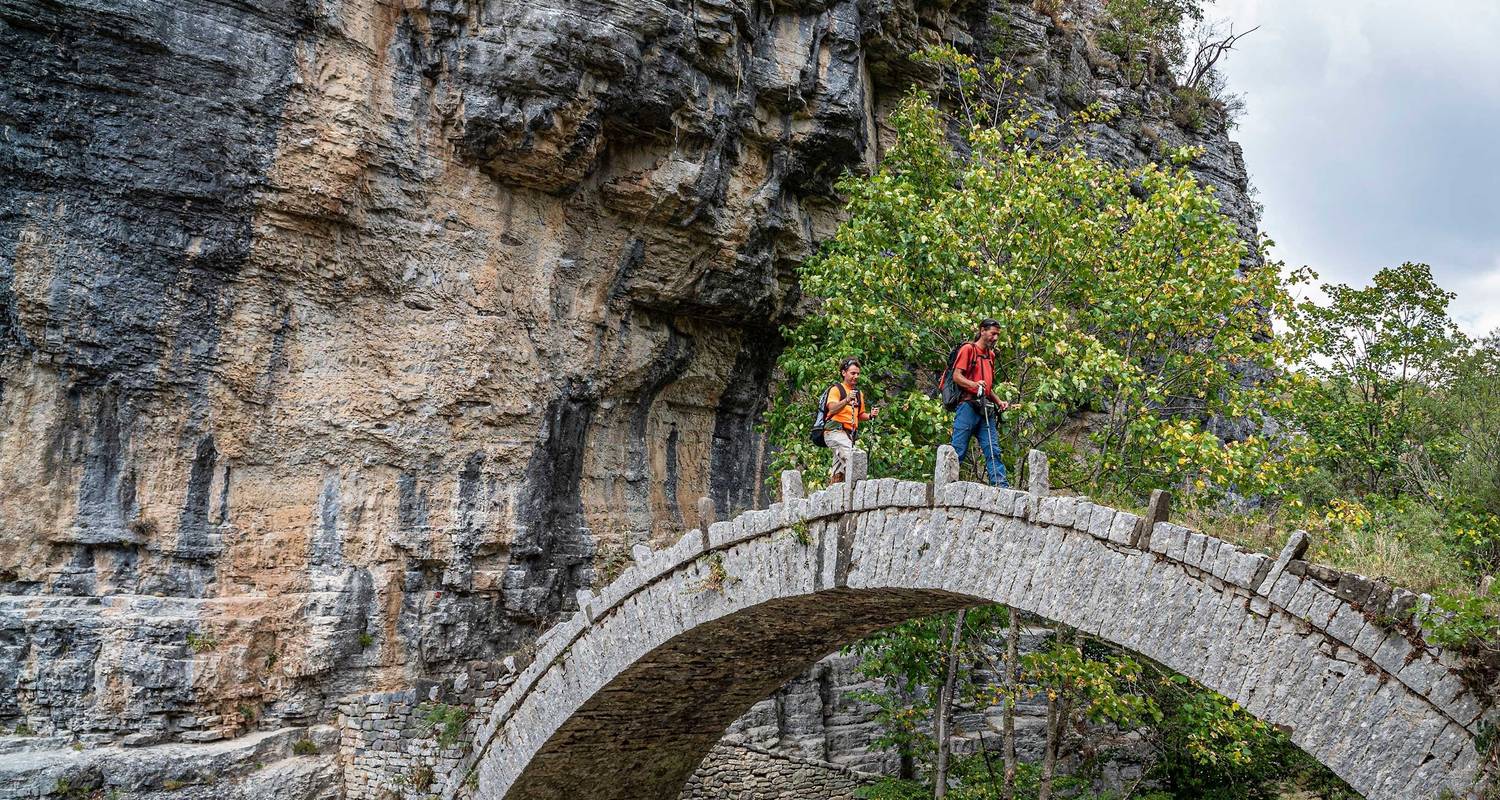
(842, 446)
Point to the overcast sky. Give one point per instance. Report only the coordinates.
(1372, 134)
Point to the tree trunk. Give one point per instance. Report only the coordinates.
(944, 711)
(1057, 725)
(1008, 730)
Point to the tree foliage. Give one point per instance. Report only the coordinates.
(1377, 353)
(1118, 291)
(1146, 33)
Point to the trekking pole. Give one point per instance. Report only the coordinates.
(989, 457)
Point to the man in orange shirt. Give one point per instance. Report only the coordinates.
(974, 372)
(845, 408)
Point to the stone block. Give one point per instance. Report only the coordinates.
(946, 469)
(1192, 550)
(1282, 589)
(1401, 605)
(1065, 511)
(835, 500)
(792, 487)
(1172, 540)
(898, 494)
(1038, 474)
(1216, 556)
(1393, 653)
(1422, 674)
(689, 546)
(1082, 514)
(757, 523)
(1321, 610)
(1308, 592)
(985, 498)
(1125, 529)
(1046, 511)
(1102, 522)
(721, 534)
(584, 598)
(1370, 638)
(1346, 625)
(859, 466)
(707, 513)
(1245, 570)
(1354, 589)
(1157, 512)
(640, 552)
(1160, 544)
(956, 493)
(1328, 576)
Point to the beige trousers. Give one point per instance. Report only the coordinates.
(843, 450)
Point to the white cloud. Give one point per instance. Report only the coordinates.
(1369, 133)
(1476, 307)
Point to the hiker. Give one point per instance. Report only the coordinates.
(979, 411)
(846, 408)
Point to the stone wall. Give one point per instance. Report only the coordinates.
(815, 716)
(742, 772)
(392, 748)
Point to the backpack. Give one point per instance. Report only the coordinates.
(820, 416)
(952, 393)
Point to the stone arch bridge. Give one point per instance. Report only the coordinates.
(623, 699)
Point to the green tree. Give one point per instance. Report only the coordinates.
(1379, 355)
(1118, 291)
(1458, 458)
(1146, 34)
(1101, 689)
(911, 661)
(1207, 746)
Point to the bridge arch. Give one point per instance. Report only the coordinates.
(623, 699)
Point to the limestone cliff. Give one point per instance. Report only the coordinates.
(342, 341)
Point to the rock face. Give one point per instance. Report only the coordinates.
(341, 343)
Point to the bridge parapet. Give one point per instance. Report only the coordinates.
(1297, 644)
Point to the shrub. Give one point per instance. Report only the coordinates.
(445, 721)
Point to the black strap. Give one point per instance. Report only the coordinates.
(823, 404)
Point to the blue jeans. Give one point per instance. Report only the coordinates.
(970, 423)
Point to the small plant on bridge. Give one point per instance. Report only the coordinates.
(444, 721)
(201, 642)
(801, 533)
(718, 578)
